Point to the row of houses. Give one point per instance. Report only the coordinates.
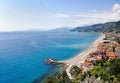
(108, 49)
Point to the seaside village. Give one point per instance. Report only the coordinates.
(108, 49)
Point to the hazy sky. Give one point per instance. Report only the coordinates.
(49, 14)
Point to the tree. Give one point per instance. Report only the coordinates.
(115, 68)
(51, 80)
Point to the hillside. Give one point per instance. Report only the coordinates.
(109, 26)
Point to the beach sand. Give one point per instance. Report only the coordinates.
(80, 58)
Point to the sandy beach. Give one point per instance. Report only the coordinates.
(80, 58)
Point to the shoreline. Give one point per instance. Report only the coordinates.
(81, 57)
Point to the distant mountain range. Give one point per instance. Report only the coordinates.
(101, 27)
(62, 29)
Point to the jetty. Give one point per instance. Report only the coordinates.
(52, 61)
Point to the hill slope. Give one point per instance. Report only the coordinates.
(109, 26)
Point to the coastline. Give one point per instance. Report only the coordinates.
(80, 58)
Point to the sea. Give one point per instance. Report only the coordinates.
(22, 54)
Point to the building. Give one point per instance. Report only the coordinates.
(111, 56)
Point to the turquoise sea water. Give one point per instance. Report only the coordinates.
(22, 54)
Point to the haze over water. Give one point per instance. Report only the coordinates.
(22, 54)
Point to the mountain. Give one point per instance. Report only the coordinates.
(63, 29)
(118, 25)
(101, 27)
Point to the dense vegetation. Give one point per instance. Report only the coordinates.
(75, 71)
(59, 78)
(108, 71)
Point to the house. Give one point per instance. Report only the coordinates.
(98, 57)
(86, 66)
(106, 41)
(111, 56)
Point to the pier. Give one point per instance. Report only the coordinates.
(52, 61)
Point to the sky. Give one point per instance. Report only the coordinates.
(51, 14)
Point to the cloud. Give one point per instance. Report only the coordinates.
(116, 11)
(61, 15)
(116, 7)
(99, 17)
(14, 19)
(93, 17)
(94, 10)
